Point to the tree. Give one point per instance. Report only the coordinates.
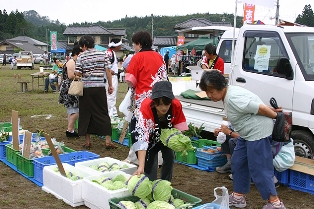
(307, 16)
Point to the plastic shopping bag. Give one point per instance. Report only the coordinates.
(123, 107)
(223, 199)
(285, 157)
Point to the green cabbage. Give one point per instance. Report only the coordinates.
(175, 140)
(160, 205)
(119, 185)
(177, 202)
(140, 187)
(127, 204)
(161, 190)
(120, 177)
(142, 203)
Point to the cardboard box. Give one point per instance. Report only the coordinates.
(96, 196)
(62, 187)
(303, 165)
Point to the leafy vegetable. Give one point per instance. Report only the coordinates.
(140, 187)
(127, 204)
(161, 190)
(142, 203)
(177, 202)
(160, 205)
(175, 140)
(193, 130)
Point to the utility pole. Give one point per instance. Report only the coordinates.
(277, 13)
(152, 27)
(47, 38)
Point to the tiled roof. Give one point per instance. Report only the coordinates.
(93, 30)
(165, 41)
(25, 46)
(198, 22)
(29, 40)
(117, 31)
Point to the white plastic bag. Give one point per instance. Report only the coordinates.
(123, 107)
(223, 199)
(285, 157)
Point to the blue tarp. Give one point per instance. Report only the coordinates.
(171, 49)
(100, 48)
(58, 50)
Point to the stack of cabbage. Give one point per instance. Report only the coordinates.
(175, 140)
(105, 166)
(70, 175)
(153, 195)
(116, 183)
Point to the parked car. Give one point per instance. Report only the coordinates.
(1, 58)
(38, 59)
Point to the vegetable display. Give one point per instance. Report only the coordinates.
(70, 175)
(140, 186)
(116, 183)
(161, 190)
(175, 140)
(105, 166)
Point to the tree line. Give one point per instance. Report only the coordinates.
(31, 24)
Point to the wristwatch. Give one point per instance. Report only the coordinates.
(230, 133)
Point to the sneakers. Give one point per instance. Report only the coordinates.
(224, 169)
(238, 203)
(69, 134)
(274, 206)
(277, 184)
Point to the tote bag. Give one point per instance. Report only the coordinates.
(76, 88)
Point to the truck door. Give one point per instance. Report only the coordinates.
(256, 71)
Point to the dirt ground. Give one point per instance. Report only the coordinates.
(18, 192)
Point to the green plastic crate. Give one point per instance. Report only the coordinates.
(187, 198)
(6, 127)
(25, 165)
(130, 139)
(190, 158)
(204, 142)
(11, 154)
(65, 149)
(115, 134)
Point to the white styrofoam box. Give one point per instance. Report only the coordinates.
(84, 166)
(96, 196)
(62, 187)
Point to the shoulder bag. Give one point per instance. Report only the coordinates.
(76, 88)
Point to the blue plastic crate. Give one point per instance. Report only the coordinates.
(213, 163)
(208, 206)
(207, 155)
(301, 181)
(70, 158)
(3, 149)
(283, 177)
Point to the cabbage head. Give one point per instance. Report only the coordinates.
(160, 205)
(127, 204)
(120, 177)
(142, 203)
(175, 140)
(177, 202)
(118, 185)
(140, 187)
(161, 190)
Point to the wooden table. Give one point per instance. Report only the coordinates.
(39, 75)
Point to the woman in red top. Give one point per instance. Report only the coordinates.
(161, 111)
(211, 60)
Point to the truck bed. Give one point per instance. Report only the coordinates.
(203, 112)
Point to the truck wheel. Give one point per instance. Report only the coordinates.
(18, 67)
(303, 143)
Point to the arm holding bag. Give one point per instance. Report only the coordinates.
(76, 88)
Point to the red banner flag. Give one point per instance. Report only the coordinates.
(180, 40)
(248, 17)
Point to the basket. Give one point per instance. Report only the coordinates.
(113, 202)
(190, 158)
(204, 142)
(25, 165)
(6, 127)
(3, 149)
(115, 134)
(206, 155)
(283, 177)
(301, 181)
(208, 206)
(11, 154)
(70, 158)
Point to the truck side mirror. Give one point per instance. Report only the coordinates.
(284, 68)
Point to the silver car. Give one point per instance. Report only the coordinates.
(38, 59)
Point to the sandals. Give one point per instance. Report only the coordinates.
(87, 146)
(111, 146)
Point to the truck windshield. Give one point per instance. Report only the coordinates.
(302, 45)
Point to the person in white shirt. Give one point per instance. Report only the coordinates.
(13, 63)
(114, 46)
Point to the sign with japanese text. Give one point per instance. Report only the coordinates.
(248, 14)
(53, 40)
(180, 40)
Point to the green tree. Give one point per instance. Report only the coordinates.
(307, 16)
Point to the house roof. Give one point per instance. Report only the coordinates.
(198, 22)
(25, 46)
(29, 40)
(165, 41)
(93, 30)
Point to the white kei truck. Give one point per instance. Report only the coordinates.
(25, 60)
(270, 61)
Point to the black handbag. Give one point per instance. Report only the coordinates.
(283, 124)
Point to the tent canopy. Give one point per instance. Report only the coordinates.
(58, 51)
(171, 49)
(199, 44)
(100, 48)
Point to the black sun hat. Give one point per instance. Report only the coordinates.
(162, 89)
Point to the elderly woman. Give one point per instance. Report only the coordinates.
(252, 156)
(94, 66)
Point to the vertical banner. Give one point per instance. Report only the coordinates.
(180, 40)
(53, 40)
(248, 14)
